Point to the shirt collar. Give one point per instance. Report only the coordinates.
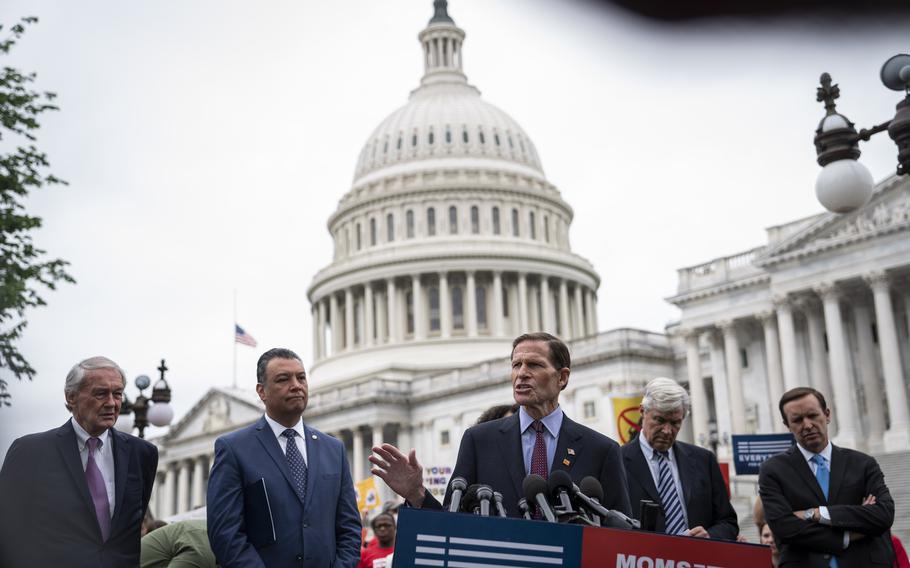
(552, 421)
(826, 453)
(648, 451)
(82, 436)
(279, 429)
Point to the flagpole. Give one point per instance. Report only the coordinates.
(234, 384)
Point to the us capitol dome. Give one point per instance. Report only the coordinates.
(451, 240)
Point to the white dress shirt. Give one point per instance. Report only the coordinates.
(651, 459)
(279, 429)
(104, 458)
(824, 517)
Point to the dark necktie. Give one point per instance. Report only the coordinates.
(539, 458)
(97, 488)
(674, 520)
(296, 463)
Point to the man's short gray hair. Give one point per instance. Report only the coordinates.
(77, 374)
(665, 395)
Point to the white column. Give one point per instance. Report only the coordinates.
(594, 311)
(335, 318)
(734, 377)
(546, 314)
(321, 335)
(844, 394)
(700, 430)
(445, 306)
(197, 495)
(821, 379)
(377, 434)
(405, 440)
(496, 319)
(368, 314)
(183, 486)
(579, 328)
(773, 364)
(897, 437)
(394, 336)
(787, 345)
(314, 316)
(564, 330)
(721, 395)
(868, 374)
(382, 306)
(417, 298)
(357, 454)
(471, 305)
(170, 487)
(590, 325)
(522, 303)
(348, 319)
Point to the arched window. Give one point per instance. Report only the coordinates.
(464, 135)
(453, 220)
(480, 294)
(372, 232)
(409, 220)
(430, 137)
(409, 307)
(448, 135)
(434, 308)
(496, 137)
(390, 227)
(431, 221)
(414, 138)
(532, 224)
(399, 141)
(475, 220)
(347, 240)
(505, 303)
(496, 220)
(480, 136)
(515, 231)
(457, 307)
(359, 237)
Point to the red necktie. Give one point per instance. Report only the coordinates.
(539, 458)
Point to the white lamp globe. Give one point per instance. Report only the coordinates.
(125, 423)
(160, 414)
(843, 186)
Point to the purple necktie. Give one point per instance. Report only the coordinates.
(539, 458)
(97, 488)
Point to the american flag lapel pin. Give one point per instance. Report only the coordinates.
(571, 452)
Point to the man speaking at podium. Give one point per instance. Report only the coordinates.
(537, 440)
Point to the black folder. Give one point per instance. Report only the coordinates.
(260, 526)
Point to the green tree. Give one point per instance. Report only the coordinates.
(24, 271)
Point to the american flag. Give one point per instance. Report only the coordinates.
(243, 337)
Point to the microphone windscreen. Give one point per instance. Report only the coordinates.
(484, 492)
(559, 480)
(532, 485)
(592, 488)
(459, 483)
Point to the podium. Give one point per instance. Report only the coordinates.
(457, 540)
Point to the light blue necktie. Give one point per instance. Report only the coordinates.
(823, 476)
(674, 520)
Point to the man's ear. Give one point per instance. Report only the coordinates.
(260, 390)
(564, 378)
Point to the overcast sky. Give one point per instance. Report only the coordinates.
(207, 142)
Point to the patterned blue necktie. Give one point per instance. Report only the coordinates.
(823, 476)
(674, 519)
(295, 463)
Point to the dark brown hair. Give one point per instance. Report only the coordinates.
(800, 392)
(497, 412)
(559, 352)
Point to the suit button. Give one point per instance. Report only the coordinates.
(299, 558)
(306, 525)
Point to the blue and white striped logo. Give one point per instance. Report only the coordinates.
(458, 552)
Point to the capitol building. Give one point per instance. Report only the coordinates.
(451, 241)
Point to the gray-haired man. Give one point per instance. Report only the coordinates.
(683, 479)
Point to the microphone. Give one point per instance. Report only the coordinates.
(484, 494)
(535, 489)
(613, 519)
(469, 502)
(559, 484)
(458, 484)
(647, 513)
(500, 510)
(525, 510)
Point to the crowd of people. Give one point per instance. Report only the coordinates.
(280, 492)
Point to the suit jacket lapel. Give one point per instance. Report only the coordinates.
(686, 467)
(838, 470)
(122, 455)
(570, 438)
(314, 460)
(636, 463)
(510, 446)
(68, 448)
(799, 464)
(267, 438)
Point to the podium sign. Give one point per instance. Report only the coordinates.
(456, 540)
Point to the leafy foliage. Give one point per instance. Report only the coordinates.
(24, 270)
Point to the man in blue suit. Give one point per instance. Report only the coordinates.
(280, 493)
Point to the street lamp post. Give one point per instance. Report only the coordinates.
(844, 184)
(139, 414)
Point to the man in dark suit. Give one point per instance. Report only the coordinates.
(827, 506)
(538, 439)
(75, 496)
(280, 493)
(683, 479)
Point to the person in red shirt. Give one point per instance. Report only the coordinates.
(375, 556)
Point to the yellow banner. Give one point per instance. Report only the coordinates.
(626, 411)
(367, 495)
